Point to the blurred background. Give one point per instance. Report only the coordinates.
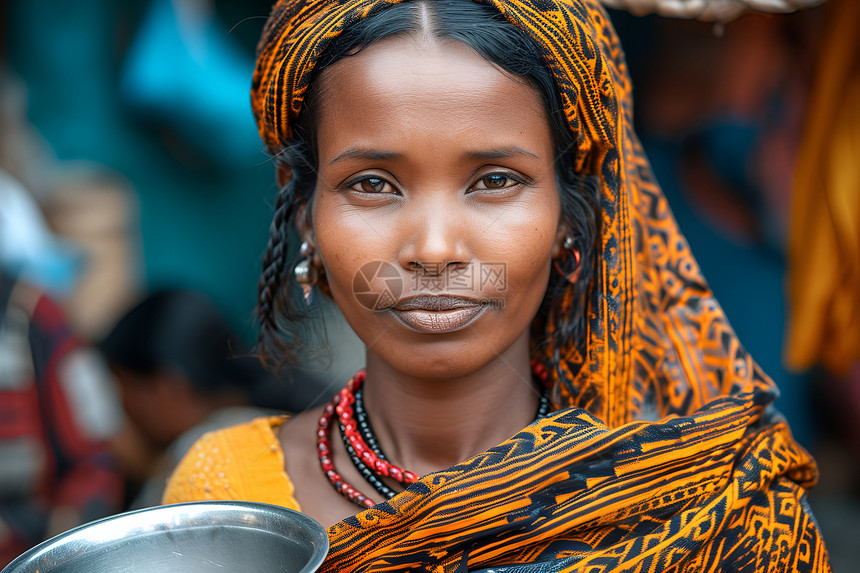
(135, 200)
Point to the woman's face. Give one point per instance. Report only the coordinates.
(436, 212)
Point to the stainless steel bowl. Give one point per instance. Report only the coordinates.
(222, 536)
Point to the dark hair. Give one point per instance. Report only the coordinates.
(481, 27)
(180, 331)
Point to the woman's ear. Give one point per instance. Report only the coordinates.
(305, 226)
(566, 257)
(558, 243)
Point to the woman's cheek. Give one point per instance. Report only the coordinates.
(526, 257)
(336, 262)
(528, 263)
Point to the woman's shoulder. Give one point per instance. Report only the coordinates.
(242, 462)
(258, 436)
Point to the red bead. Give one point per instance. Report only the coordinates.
(381, 467)
(540, 371)
(341, 404)
(356, 381)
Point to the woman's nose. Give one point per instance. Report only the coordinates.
(436, 239)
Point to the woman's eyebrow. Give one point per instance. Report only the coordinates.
(359, 153)
(500, 153)
(483, 154)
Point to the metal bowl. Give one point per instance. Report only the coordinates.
(222, 536)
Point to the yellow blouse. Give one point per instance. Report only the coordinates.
(243, 462)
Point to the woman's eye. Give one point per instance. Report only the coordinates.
(372, 185)
(495, 181)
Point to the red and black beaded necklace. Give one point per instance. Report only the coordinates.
(362, 446)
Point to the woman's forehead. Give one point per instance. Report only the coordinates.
(417, 65)
(411, 88)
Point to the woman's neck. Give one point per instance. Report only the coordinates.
(429, 425)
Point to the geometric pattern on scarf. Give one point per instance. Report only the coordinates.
(717, 482)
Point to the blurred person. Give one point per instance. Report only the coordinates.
(57, 415)
(181, 373)
(824, 242)
(88, 257)
(58, 405)
(823, 332)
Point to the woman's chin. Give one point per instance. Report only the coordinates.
(451, 356)
(438, 361)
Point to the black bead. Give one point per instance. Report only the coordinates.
(366, 472)
(364, 427)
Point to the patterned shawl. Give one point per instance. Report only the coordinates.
(718, 483)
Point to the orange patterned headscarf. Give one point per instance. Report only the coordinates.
(718, 480)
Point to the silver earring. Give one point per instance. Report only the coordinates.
(304, 273)
(568, 243)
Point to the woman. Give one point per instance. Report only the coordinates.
(181, 374)
(421, 144)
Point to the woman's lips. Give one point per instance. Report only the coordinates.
(437, 314)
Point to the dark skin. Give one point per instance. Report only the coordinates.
(435, 161)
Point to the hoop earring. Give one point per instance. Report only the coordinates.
(305, 274)
(573, 274)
